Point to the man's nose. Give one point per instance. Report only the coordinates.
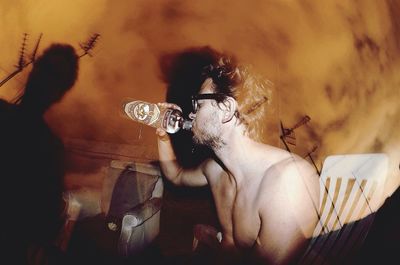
(192, 115)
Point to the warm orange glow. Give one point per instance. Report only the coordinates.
(336, 62)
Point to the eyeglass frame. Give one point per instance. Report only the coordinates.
(216, 96)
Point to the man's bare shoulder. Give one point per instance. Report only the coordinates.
(289, 180)
(211, 169)
(287, 202)
(290, 168)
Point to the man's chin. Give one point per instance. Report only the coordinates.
(210, 143)
(202, 142)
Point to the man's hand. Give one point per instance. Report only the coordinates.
(162, 134)
(169, 106)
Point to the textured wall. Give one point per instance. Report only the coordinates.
(336, 62)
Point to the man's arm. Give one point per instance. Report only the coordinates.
(172, 170)
(288, 214)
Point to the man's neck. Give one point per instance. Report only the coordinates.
(235, 155)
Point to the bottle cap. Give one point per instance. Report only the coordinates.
(187, 125)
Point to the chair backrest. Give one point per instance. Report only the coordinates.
(131, 200)
(351, 189)
(127, 184)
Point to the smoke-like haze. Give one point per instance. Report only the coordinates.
(335, 62)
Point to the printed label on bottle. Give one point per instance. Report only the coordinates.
(142, 112)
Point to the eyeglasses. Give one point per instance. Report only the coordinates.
(217, 96)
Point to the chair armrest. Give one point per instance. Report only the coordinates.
(134, 218)
(141, 213)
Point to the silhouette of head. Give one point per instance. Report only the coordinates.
(52, 75)
(182, 72)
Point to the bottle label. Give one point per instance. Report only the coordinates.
(143, 112)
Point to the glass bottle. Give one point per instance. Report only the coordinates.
(171, 120)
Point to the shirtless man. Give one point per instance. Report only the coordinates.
(266, 198)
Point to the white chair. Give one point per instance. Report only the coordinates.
(351, 189)
(133, 191)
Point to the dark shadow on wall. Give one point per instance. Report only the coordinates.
(32, 159)
(181, 72)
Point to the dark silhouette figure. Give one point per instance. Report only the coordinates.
(181, 71)
(32, 161)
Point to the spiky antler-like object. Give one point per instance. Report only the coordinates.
(89, 45)
(22, 63)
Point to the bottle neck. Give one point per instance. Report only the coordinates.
(186, 124)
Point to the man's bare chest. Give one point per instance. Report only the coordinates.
(245, 220)
(238, 215)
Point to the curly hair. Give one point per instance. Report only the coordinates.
(251, 91)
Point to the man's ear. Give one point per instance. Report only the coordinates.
(229, 106)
